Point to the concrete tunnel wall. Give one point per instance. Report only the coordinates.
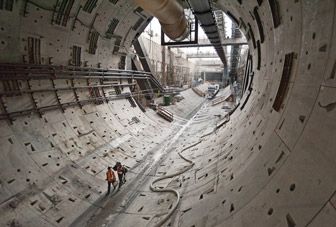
(275, 168)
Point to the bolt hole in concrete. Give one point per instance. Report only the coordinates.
(280, 157)
(290, 221)
(59, 220)
(270, 171)
(292, 187)
(10, 181)
(140, 209)
(231, 207)
(278, 190)
(302, 118)
(270, 211)
(231, 177)
(33, 203)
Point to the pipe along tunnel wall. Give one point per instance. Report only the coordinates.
(273, 164)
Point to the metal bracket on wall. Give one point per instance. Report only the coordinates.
(75, 18)
(3, 106)
(103, 91)
(33, 100)
(57, 97)
(75, 93)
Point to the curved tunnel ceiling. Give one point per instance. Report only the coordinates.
(273, 164)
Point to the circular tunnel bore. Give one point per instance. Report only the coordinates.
(66, 117)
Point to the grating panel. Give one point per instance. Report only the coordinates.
(114, 1)
(138, 23)
(76, 55)
(284, 81)
(63, 12)
(93, 42)
(260, 27)
(112, 26)
(34, 50)
(90, 5)
(275, 9)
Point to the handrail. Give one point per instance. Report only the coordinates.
(63, 105)
(77, 68)
(20, 92)
(10, 71)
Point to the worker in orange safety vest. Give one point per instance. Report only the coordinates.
(111, 179)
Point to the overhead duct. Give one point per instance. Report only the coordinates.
(171, 16)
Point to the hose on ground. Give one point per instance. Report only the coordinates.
(155, 189)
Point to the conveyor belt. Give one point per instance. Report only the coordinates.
(202, 10)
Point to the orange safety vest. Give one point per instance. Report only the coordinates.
(110, 175)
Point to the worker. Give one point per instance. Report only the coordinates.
(110, 177)
(124, 170)
(120, 174)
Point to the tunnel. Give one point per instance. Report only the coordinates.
(67, 114)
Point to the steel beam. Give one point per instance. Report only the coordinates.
(143, 56)
(198, 55)
(206, 43)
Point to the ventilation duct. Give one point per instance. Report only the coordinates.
(171, 16)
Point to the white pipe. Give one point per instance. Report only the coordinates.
(171, 16)
(155, 189)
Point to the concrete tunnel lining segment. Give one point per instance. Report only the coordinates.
(263, 168)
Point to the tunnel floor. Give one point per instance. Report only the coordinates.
(135, 204)
(67, 113)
